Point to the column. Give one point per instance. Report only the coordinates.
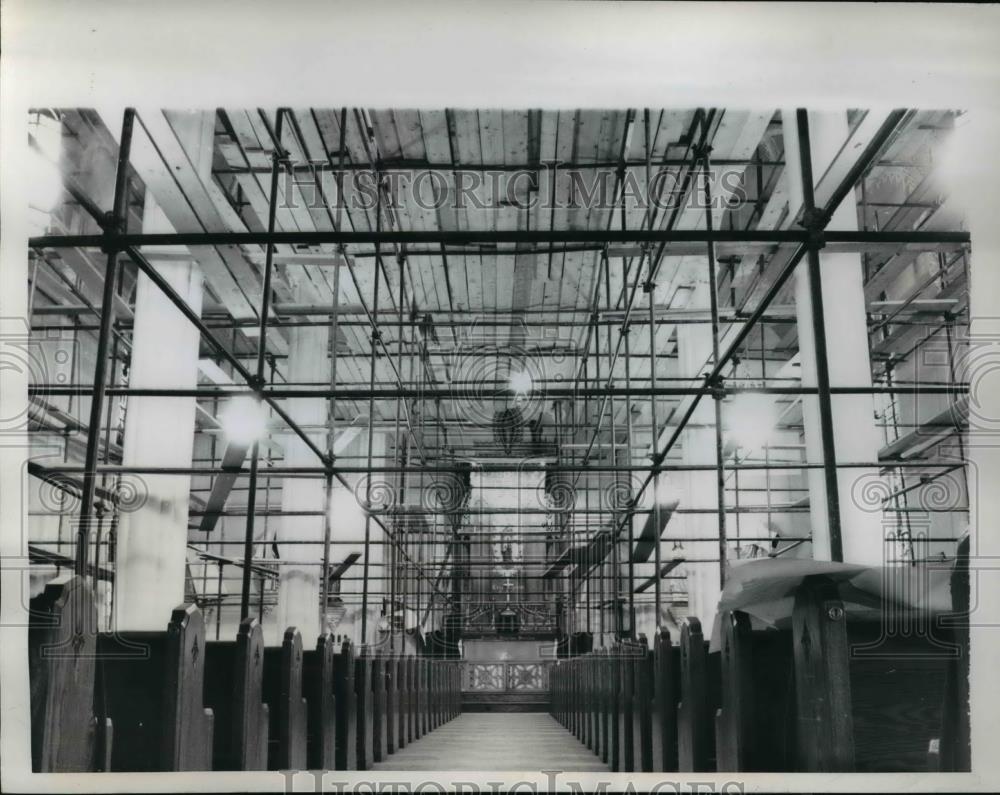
(300, 574)
(349, 526)
(697, 489)
(855, 434)
(151, 553)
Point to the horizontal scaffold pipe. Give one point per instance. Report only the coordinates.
(456, 391)
(788, 236)
(513, 466)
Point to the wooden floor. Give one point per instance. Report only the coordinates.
(496, 741)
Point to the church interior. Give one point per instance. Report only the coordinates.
(626, 440)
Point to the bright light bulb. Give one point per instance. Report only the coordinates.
(751, 419)
(243, 420)
(520, 383)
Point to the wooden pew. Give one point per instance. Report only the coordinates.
(436, 667)
(884, 692)
(402, 701)
(318, 685)
(955, 748)
(755, 723)
(629, 656)
(151, 687)
(412, 731)
(577, 681)
(642, 707)
(346, 705)
(610, 692)
(432, 694)
(591, 702)
(66, 735)
(380, 727)
(287, 739)
(832, 692)
(365, 713)
(699, 696)
(389, 728)
(588, 702)
(420, 685)
(234, 691)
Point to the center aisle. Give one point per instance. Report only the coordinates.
(496, 741)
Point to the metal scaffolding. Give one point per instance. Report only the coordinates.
(590, 402)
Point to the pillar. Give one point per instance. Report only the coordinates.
(349, 526)
(151, 553)
(300, 577)
(856, 436)
(697, 489)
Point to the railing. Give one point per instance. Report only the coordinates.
(505, 677)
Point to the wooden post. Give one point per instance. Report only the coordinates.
(663, 721)
(288, 709)
(734, 720)
(234, 691)
(365, 713)
(380, 718)
(318, 684)
(822, 678)
(64, 729)
(694, 730)
(346, 704)
(152, 686)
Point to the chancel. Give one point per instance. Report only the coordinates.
(621, 440)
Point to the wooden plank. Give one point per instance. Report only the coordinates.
(668, 567)
(169, 174)
(648, 536)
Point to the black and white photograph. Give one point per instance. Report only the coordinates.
(478, 397)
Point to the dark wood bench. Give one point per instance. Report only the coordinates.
(413, 687)
(403, 696)
(318, 685)
(66, 734)
(380, 719)
(699, 698)
(151, 685)
(610, 693)
(835, 692)
(234, 691)
(420, 684)
(282, 684)
(665, 678)
(346, 704)
(631, 715)
(391, 667)
(364, 712)
(432, 695)
(641, 758)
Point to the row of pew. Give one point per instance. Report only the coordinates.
(171, 701)
(826, 693)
